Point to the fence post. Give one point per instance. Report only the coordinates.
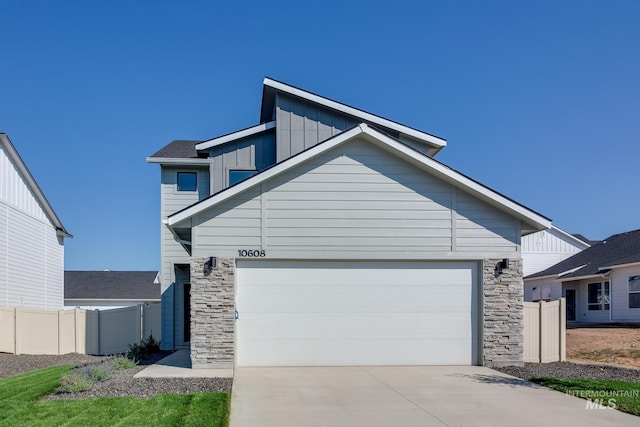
(17, 325)
(76, 330)
(563, 329)
(540, 330)
(60, 330)
(140, 323)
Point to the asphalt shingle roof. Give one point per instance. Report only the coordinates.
(619, 249)
(137, 285)
(180, 149)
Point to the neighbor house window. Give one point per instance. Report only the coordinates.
(634, 291)
(235, 175)
(187, 181)
(598, 296)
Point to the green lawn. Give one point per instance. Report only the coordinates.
(621, 395)
(20, 405)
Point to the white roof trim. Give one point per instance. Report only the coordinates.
(431, 139)
(610, 267)
(235, 135)
(432, 165)
(564, 273)
(178, 161)
(15, 158)
(570, 236)
(586, 276)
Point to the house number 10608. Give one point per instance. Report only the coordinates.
(251, 253)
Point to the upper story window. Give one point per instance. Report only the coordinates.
(237, 175)
(634, 291)
(187, 181)
(598, 296)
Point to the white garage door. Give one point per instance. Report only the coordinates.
(325, 313)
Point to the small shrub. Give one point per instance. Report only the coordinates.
(74, 383)
(99, 373)
(119, 363)
(142, 350)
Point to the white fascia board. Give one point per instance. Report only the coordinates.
(569, 236)
(235, 135)
(465, 183)
(431, 139)
(15, 158)
(586, 276)
(379, 137)
(553, 277)
(610, 267)
(178, 161)
(564, 273)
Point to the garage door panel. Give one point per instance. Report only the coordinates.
(352, 273)
(321, 313)
(340, 299)
(357, 353)
(346, 326)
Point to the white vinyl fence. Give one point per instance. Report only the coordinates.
(545, 331)
(33, 331)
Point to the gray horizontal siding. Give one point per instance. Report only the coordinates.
(356, 201)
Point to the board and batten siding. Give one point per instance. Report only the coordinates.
(356, 201)
(302, 124)
(31, 253)
(545, 248)
(256, 152)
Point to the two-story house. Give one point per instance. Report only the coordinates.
(31, 238)
(327, 235)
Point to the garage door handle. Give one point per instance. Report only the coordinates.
(237, 315)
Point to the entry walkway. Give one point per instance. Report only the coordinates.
(405, 396)
(178, 365)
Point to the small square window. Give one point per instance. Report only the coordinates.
(235, 175)
(634, 291)
(187, 181)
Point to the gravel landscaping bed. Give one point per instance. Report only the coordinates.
(121, 383)
(14, 364)
(572, 370)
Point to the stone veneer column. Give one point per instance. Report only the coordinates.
(212, 313)
(503, 326)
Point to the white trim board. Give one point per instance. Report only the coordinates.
(386, 142)
(432, 140)
(235, 135)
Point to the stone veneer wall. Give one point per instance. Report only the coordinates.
(503, 327)
(212, 313)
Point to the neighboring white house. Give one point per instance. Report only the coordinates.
(31, 238)
(600, 284)
(545, 248)
(327, 235)
(108, 289)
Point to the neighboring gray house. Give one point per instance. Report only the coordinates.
(601, 283)
(110, 289)
(31, 238)
(326, 235)
(545, 248)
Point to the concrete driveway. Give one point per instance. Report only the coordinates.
(404, 396)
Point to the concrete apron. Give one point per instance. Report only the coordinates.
(404, 396)
(178, 365)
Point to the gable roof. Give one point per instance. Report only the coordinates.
(272, 86)
(33, 185)
(373, 135)
(112, 285)
(617, 250)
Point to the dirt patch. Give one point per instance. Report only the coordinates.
(610, 345)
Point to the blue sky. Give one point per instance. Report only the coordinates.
(538, 100)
